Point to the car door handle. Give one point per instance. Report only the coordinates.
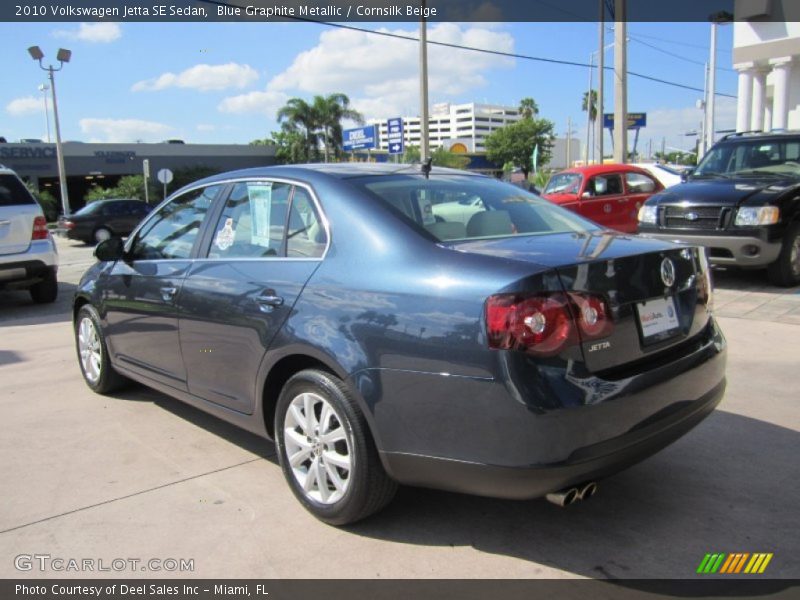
(270, 300)
(168, 293)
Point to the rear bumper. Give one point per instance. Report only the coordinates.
(743, 251)
(587, 464)
(497, 438)
(22, 270)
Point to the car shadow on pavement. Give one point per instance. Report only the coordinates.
(235, 435)
(728, 486)
(17, 307)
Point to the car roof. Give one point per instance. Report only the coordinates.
(759, 135)
(591, 170)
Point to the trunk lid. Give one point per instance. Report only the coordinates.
(656, 291)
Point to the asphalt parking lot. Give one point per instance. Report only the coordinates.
(140, 476)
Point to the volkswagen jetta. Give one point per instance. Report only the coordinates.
(521, 353)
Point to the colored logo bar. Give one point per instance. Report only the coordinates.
(734, 563)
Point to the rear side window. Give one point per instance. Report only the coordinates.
(639, 183)
(13, 192)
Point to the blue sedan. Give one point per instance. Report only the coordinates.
(519, 353)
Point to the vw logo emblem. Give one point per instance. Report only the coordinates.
(667, 272)
(692, 216)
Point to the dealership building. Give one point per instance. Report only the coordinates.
(89, 164)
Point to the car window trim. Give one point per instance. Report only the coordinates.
(220, 200)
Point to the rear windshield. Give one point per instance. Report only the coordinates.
(90, 208)
(459, 207)
(13, 192)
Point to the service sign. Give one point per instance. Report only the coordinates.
(360, 138)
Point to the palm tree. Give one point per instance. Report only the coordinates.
(299, 115)
(591, 108)
(528, 108)
(329, 111)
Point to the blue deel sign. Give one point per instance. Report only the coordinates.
(635, 120)
(361, 138)
(395, 135)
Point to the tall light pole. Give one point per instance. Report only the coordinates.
(717, 19)
(601, 78)
(598, 111)
(44, 88)
(424, 148)
(620, 83)
(62, 57)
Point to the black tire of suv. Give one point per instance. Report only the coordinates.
(46, 291)
(369, 488)
(785, 271)
(109, 379)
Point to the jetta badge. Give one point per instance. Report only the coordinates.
(691, 216)
(667, 272)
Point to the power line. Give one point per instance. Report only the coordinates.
(678, 56)
(411, 38)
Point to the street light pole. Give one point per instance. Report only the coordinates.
(601, 77)
(63, 56)
(424, 148)
(620, 83)
(44, 88)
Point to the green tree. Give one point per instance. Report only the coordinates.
(411, 154)
(515, 143)
(528, 108)
(290, 146)
(46, 200)
(590, 105)
(445, 158)
(299, 116)
(329, 111)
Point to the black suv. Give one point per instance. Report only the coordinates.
(742, 202)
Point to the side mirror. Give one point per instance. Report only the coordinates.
(587, 194)
(110, 249)
(686, 174)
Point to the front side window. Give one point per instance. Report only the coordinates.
(490, 209)
(172, 231)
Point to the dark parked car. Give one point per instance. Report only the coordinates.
(742, 203)
(100, 220)
(526, 352)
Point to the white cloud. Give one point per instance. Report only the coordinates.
(123, 130)
(205, 127)
(380, 74)
(267, 103)
(24, 106)
(202, 77)
(94, 33)
(672, 124)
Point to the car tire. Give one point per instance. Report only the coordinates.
(101, 234)
(93, 360)
(336, 447)
(46, 291)
(785, 271)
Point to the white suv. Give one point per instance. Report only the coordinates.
(28, 255)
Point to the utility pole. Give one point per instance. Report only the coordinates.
(601, 73)
(424, 148)
(712, 84)
(620, 83)
(569, 142)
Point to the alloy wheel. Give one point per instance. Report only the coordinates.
(89, 349)
(318, 448)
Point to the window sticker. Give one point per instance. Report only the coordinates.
(225, 236)
(426, 208)
(260, 195)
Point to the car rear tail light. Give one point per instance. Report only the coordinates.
(40, 231)
(545, 324)
(69, 225)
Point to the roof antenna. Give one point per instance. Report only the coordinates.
(426, 167)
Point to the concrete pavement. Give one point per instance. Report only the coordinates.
(139, 475)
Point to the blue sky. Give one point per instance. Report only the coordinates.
(222, 82)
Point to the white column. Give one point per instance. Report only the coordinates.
(744, 96)
(759, 95)
(781, 68)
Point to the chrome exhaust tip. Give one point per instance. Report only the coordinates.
(563, 497)
(587, 490)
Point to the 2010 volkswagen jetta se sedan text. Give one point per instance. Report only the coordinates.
(521, 353)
